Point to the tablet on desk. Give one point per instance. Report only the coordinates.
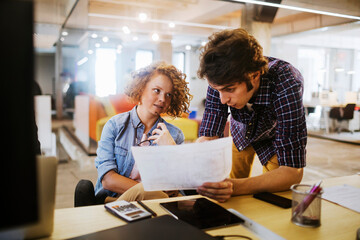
(201, 213)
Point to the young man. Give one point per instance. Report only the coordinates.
(264, 96)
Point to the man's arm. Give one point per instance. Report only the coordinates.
(205, 138)
(214, 117)
(276, 180)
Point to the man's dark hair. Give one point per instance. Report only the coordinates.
(230, 56)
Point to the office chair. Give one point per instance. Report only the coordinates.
(342, 114)
(85, 194)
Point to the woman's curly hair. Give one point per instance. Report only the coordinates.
(230, 56)
(180, 98)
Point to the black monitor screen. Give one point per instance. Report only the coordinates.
(18, 204)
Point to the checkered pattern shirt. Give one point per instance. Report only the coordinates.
(275, 122)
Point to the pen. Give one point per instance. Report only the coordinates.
(308, 199)
(147, 208)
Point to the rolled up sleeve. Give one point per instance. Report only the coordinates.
(215, 115)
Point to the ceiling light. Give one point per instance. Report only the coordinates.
(62, 39)
(171, 25)
(143, 17)
(269, 4)
(64, 33)
(182, 23)
(155, 37)
(188, 47)
(94, 35)
(203, 43)
(105, 39)
(97, 45)
(82, 61)
(119, 48)
(324, 29)
(339, 69)
(351, 72)
(90, 51)
(126, 29)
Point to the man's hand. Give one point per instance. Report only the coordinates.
(220, 191)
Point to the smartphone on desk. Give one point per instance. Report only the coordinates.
(274, 199)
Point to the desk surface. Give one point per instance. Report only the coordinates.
(336, 222)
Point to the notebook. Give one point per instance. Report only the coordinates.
(160, 228)
(46, 179)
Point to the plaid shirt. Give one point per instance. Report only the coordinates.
(275, 123)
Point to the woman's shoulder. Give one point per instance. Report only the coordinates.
(171, 127)
(119, 119)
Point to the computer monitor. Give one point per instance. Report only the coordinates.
(18, 204)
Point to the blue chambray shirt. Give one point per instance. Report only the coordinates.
(114, 147)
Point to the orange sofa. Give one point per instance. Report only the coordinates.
(102, 109)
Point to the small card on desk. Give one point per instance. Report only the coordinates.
(159, 228)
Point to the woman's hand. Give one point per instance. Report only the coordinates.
(161, 135)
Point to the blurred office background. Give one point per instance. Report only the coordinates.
(86, 50)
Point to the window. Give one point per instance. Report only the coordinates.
(313, 67)
(179, 61)
(143, 58)
(105, 73)
(326, 69)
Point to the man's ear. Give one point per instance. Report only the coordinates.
(255, 78)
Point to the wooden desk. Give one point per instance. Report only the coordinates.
(336, 222)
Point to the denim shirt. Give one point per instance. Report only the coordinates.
(114, 147)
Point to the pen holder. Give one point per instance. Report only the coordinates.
(306, 206)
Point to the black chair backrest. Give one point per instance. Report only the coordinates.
(349, 111)
(335, 113)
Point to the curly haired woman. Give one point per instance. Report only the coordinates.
(156, 89)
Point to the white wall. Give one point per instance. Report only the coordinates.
(42, 105)
(45, 72)
(198, 87)
(356, 76)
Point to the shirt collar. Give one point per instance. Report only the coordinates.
(136, 122)
(264, 93)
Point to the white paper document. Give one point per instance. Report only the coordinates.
(344, 195)
(185, 166)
